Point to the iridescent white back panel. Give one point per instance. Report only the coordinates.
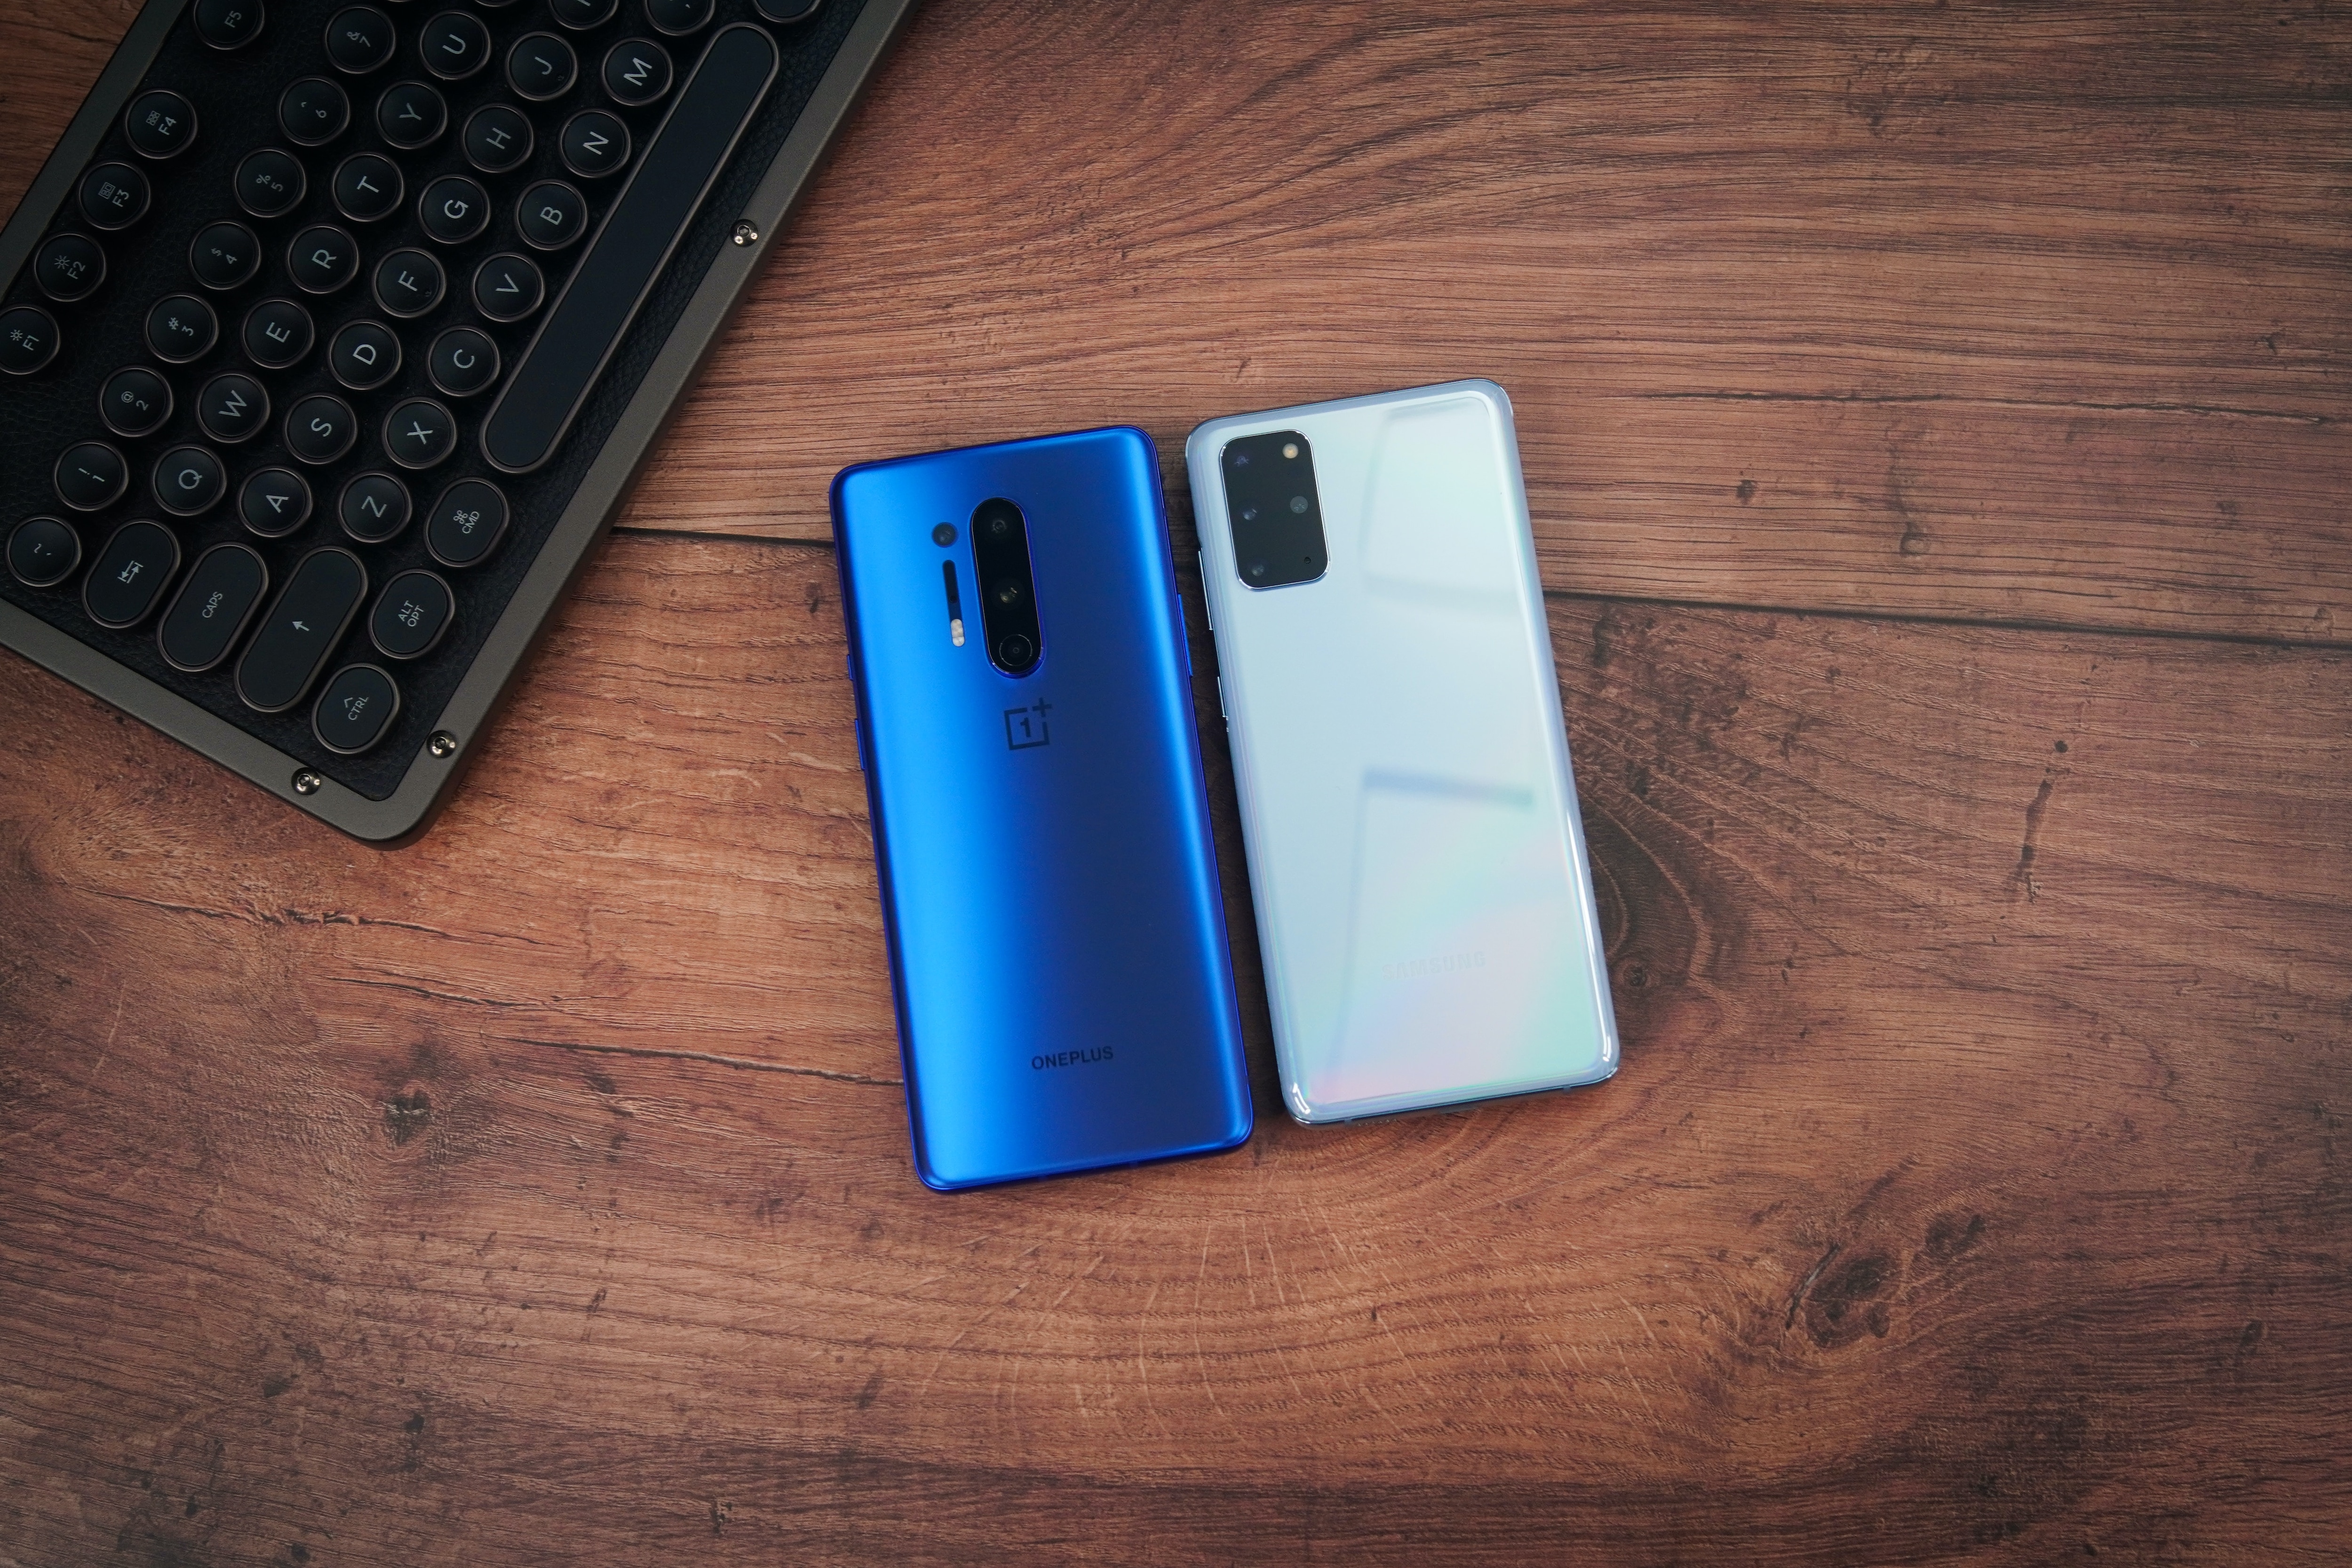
(1423, 895)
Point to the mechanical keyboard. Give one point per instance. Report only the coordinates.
(333, 333)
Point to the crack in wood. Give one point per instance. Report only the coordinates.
(745, 1063)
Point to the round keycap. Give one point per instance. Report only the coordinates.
(507, 287)
(69, 267)
(360, 39)
(160, 124)
(594, 144)
(129, 574)
(419, 433)
(497, 138)
(550, 215)
(274, 502)
(354, 709)
(541, 66)
(313, 111)
(28, 339)
(180, 327)
(410, 115)
(212, 608)
(462, 361)
(43, 553)
(411, 617)
(454, 209)
(679, 17)
(233, 407)
(636, 72)
(113, 195)
(320, 428)
(224, 255)
(188, 481)
(465, 524)
(91, 475)
(454, 45)
(785, 12)
(322, 258)
(278, 334)
(134, 402)
(374, 507)
(270, 183)
(408, 283)
(582, 14)
(364, 355)
(368, 188)
(227, 24)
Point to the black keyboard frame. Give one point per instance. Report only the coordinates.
(429, 775)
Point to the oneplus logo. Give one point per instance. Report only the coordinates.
(1026, 727)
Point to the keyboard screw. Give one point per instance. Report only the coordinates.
(747, 233)
(442, 744)
(306, 781)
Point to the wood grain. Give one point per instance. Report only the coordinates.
(1973, 1186)
(2032, 313)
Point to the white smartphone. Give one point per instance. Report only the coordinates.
(1424, 903)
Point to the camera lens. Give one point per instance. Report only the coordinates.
(1257, 568)
(997, 527)
(1008, 592)
(1297, 503)
(1015, 651)
(1249, 514)
(1241, 460)
(943, 535)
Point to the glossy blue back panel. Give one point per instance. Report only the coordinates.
(1049, 886)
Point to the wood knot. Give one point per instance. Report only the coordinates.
(407, 1113)
(1848, 1300)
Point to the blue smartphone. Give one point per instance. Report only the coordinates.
(1049, 886)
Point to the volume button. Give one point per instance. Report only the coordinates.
(1221, 701)
(1208, 612)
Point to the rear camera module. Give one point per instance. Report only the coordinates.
(1008, 608)
(1275, 508)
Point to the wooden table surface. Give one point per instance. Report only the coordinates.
(1936, 418)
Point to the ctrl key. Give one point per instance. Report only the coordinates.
(43, 552)
(131, 574)
(355, 709)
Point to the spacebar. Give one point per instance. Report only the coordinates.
(629, 252)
